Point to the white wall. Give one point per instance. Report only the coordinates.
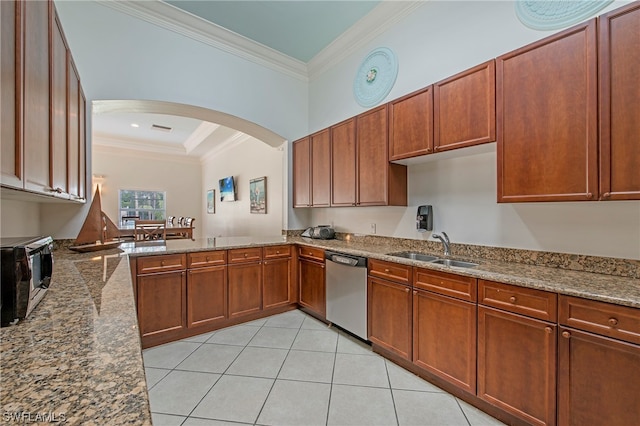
(19, 218)
(248, 160)
(129, 169)
(438, 40)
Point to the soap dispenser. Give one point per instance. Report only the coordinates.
(424, 219)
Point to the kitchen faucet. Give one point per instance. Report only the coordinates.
(445, 241)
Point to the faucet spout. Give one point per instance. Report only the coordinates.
(445, 242)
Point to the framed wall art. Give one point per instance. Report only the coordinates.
(211, 201)
(258, 195)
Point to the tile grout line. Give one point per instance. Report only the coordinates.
(393, 400)
(463, 413)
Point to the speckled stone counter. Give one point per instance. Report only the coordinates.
(146, 248)
(77, 359)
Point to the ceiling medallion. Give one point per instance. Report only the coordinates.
(556, 14)
(375, 77)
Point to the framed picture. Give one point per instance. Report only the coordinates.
(258, 195)
(211, 203)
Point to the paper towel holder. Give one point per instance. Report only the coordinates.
(424, 218)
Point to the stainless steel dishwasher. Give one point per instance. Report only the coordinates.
(346, 279)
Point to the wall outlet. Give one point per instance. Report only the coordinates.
(373, 228)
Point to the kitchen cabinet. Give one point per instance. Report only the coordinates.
(58, 109)
(343, 163)
(321, 168)
(389, 307)
(161, 295)
(11, 173)
(598, 363)
(277, 283)
(379, 182)
(464, 108)
(311, 280)
(35, 79)
(517, 353)
(302, 172)
(547, 105)
(411, 125)
(444, 327)
(206, 288)
(619, 79)
(73, 136)
(245, 281)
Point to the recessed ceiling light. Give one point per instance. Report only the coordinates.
(136, 125)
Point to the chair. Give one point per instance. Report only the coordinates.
(180, 220)
(146, 230)
(188, 223)
(170, 220)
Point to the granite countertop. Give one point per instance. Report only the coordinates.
(77, 359)
(78, 356)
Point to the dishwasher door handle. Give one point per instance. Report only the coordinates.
(346, 260)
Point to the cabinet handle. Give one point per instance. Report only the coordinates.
(387, 271)
(512, 299)
(407, 290)
(548, 329)
(277, 251)
(606, 195)
(246, 254)
(415, 292)
(613, 321)
(162, 263)
(589, 195)
(566, 334)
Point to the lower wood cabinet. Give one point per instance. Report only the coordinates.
(161, 303)
(444, 338)
(245, 289)
(517, 364)
(312, 286)
(206, 295)
(276, 284)
(390, 316)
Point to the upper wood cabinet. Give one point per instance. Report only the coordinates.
(343, 163)
(43, 116)
(411, 125)
(619, 64)
(321, 168)
(380, 183)
(302, 172)
(11, 99)
(464, 108)
(547, 119)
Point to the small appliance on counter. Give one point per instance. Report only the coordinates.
(320, 232)
(27, 264)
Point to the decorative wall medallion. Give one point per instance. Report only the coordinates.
(375, 77)
(556, 14)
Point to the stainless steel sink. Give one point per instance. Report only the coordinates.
(414, 256)
(455, 263)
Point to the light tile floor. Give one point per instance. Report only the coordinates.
(290, 369)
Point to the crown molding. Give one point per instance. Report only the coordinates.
(235, 140)
(143, 154)
(171, 18)
(204, 130)
(376, 22)
(105, 140)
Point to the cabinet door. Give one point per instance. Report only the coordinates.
(411, 125)
(312, 286)
(619, 107)
(11, 99)
(206, 295)
(598, 380)
(82, 144)
(321, 169)
(389, 316)
(276, 283)
(444, 338)
(343, 163)
(547, 119)
(373, 161)
(161, 303)
(73, 140)
(58, 109)
(245, 289)
(465, 108)
(517, 365)
(36, 95)
(302, 173)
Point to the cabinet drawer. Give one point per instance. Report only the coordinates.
(311, 253)
(390, 271)
(252, 254)
(273, 252)
(526, 301)
(163, 263)
(447, 284)
(207, 258)
(619, 322)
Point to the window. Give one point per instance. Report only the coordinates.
(147, 205)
